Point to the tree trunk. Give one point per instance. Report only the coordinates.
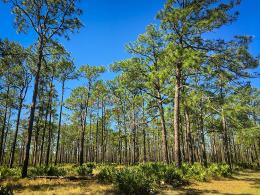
(6, 134)
(32, 111)
(97, 126)
(50, 130)
(60, 116)
(16, 133)
(144, 133)
(204, 155)
(164, 133)
(4, 125)
(176, 123)
(189, 137)
(225, 141)
(44, 128)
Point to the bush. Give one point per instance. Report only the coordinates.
(219, 170)
(156, 170)
(133, 180)
(47, 171)
(6, 190)
(55, 171)
(91, 165)
(6, 172)
(84, 170)
(173, 176)
(225, 170)
(106, 174)
(195, 171)
(37, 171)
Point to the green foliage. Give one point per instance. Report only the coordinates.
(173, 176)
(91, 165)
(86, 169)
(132, 180)
(195, 171)
(6, 190)
(6, 172)
(46, 171)
(219, 170)
(156, 170)
(106, 174)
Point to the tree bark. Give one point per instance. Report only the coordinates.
(60, 116)
(32, 111)
(176, 123)
(4, 125)
(164, 133)
(49, 129)
(16, 133)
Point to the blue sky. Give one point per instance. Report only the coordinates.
(110, 24)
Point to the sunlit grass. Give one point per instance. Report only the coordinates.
(58, 186)
(246, 182)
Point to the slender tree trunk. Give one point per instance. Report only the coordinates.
(120, 138)
(81, 160)
(97, 126)
(164, 133)
(102, 130)
(176, 123)
(81, 155)
(6, 134)
(32, 111)
(225, 141)
(60, 116)
(144, 133)
(4, 125)
(44, 128)
(49, 132)
(16, 133)
(204, 155)
(189, 137)
(125, 134)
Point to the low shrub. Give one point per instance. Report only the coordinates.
(84, 170)
(37, 171)
(132, 180)
(219, 170)
(6, 190)
(106, 174)
(173, 176)
(91, 165)
(46, 171)
(156, 170)
(55, 171)
(225, 170)
(196, 172)
(6, 172)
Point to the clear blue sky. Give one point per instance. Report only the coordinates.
(110, 24)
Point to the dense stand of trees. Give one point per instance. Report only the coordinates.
(180, 98)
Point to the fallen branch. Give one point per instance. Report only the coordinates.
(91, 177)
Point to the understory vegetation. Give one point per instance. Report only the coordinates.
(145, 178)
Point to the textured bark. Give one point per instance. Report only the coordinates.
(32, 111)
(176, 122)
(164, 133)
(59, 126)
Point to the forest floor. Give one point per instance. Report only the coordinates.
(246, 182)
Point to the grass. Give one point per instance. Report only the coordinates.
(57, 186)
(244, 182)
